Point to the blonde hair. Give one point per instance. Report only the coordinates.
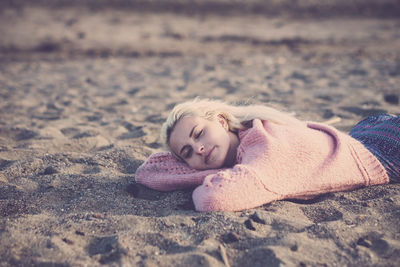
(237, 117)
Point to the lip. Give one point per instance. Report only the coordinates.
(207, 158)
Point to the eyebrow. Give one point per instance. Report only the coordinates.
(190, 136)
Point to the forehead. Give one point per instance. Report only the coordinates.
(187, 122)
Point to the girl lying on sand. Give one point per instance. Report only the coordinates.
(241, 157)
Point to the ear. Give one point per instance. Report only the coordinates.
(221, 119)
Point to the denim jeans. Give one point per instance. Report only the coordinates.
(380, 134)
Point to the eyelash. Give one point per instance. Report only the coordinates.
(189, 152)
(198, 135)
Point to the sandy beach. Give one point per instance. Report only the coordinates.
(86, 85)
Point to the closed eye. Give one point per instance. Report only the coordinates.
(188, 153)
(198, 134)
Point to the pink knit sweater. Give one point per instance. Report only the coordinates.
(274, 162)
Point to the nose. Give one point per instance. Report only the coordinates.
(199, 148)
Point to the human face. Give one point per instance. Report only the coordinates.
(201, 143)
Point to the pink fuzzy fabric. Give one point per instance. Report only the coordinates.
(274, 162)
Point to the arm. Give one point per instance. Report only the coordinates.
(163, 172)
(233, 189)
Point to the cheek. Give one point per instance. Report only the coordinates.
(226, 144)
(194, 162)
(224, 138)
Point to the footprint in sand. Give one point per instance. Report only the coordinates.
(4, 163)
(262, 256)
(70, 131)
(141, 192)
(325, 214)
(376, 243)
(108, 247)
(134, 132)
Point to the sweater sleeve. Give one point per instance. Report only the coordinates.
(233, 189)
(163, 172)
(241, 187)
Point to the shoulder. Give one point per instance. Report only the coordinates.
(252, 141)
(255, 127)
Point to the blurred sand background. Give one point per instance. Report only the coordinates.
(85, 86)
